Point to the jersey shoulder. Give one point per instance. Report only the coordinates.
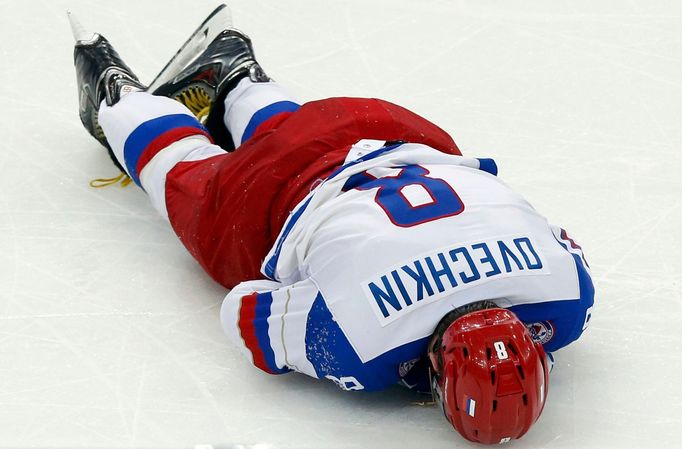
(557, 323)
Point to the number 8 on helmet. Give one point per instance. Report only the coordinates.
(490, 378)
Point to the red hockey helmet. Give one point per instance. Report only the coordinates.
(490, 378)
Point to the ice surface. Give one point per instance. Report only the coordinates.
(109, 332)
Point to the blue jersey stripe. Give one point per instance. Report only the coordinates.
(271, 265)
(332, 355)
(267, 113)
(145, 134)
(260, 324)
(488, 165)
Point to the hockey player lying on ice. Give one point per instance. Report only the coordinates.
(359, 245)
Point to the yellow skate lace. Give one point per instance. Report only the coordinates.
(197, 100)
(99, 183)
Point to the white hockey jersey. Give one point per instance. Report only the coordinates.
(367, 265)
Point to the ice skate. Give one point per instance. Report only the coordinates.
(101, 75)
(206, 68)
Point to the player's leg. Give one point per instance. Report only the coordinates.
(149, 135)
(226, 88)
(253, 108)
(223, 84)
(218, 203)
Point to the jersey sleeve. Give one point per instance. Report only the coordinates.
(558, 323)
(266, 320)
(283, 328)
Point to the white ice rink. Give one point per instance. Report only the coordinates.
(109, 331)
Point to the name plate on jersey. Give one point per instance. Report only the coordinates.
(432, 276)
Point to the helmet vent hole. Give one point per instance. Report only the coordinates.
(465, 352)
(520, 368)
(525, 399)
(512, 348)
(492, 377)
(488, 353)
(494, 406)
(476, 433)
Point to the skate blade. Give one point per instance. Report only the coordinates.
(80, 34)
(212, 26)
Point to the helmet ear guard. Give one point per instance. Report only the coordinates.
(490, 378)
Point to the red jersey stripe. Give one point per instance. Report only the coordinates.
(247, 315)
(165, 139)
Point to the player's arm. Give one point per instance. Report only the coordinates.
(559, 323)
(267, 320)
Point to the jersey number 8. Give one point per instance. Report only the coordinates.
(444, 201)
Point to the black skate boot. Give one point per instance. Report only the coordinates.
(101, 75)
(200, 76)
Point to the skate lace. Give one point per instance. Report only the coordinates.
(197, 100)
(99, 183)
